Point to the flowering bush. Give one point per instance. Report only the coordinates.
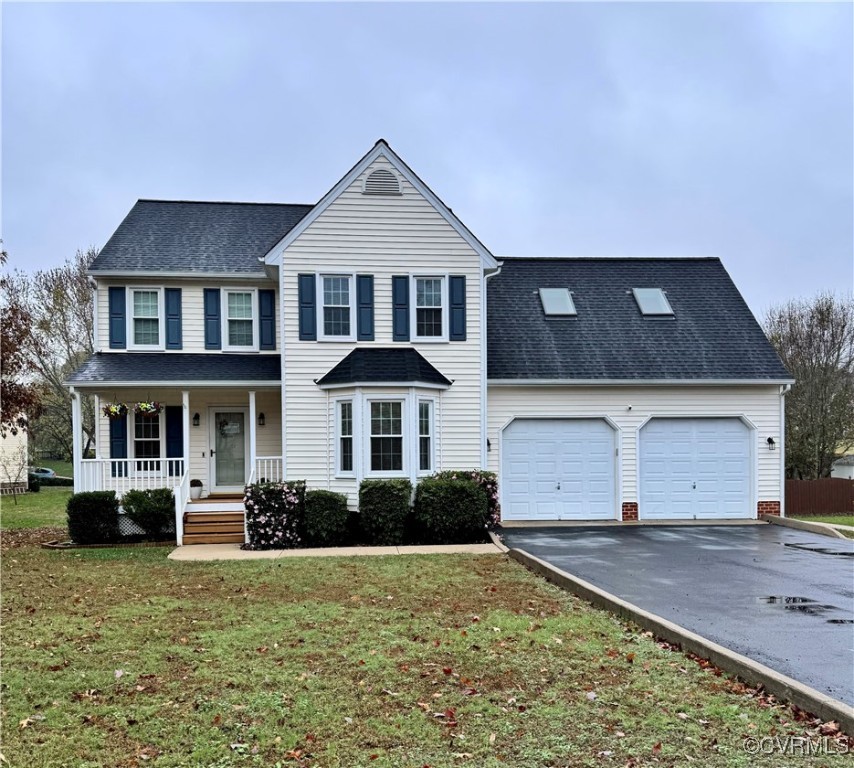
(486, 480)
(152, 408)
(115, 410)
(274, 514)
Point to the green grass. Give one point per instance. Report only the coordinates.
(120, 657)
(62, 468)
(832, 519)
(35, 510)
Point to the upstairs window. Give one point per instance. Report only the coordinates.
(557, 302)
(336, 304)
(239, 318)
(146, 320)
(652, 301)
(430, 308)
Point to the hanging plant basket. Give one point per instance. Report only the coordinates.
(115, 410)
(152, 408)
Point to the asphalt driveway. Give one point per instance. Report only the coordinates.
(777, 595)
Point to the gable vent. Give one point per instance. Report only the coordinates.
(381, 182)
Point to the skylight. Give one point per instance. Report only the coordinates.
(652, 301)
(557, 301)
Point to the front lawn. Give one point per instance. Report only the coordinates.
(120, 657)
(35, 510)
(832, 519)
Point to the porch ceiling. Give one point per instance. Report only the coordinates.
(177, 369)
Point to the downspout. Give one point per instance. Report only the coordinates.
(783, 390)
(483, 362)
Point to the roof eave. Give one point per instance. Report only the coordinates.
(503, 382)
(351, 384)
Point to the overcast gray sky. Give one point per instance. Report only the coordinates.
(551, 129)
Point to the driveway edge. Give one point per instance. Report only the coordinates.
(803, 525)
(752, 672)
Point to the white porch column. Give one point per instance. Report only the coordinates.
(185, 450)
(97, 406)
(253, 452)
(76, 447)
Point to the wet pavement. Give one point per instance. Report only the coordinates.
(777, 595)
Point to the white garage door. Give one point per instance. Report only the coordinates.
(694, 469)
(558, 469)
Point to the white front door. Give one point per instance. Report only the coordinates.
(229, 449)
(695, 469)
(558, 469)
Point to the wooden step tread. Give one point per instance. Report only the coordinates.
(214, 528)
(214, 517)
(213, 538)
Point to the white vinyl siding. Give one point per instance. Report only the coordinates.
(760, 405)
(192, 311)
(380, 236)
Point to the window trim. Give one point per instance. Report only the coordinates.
(223, 301)
(413, 308)
(431, 401)
(131, 451)
(161, 319)
(664, 311)
(339, 471)
(366, 439)
(351, 281)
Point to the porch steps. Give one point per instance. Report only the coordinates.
(217, 503)
(217, 527)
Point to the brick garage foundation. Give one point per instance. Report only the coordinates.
(630, 510)
(768, 508)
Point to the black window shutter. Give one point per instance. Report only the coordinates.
(213, 327)
(119, 445)
(175, 438)
(400, 307)
(365, 304)
(173, 318)
(267, 318)
(307, 308)
(118, 326)
(457, 291)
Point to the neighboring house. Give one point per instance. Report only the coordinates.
(13, 462)
(373, 335)
(843, 467)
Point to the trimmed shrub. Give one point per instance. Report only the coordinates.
(274, 514)
(326, 520)
(33, 483)
(450, 511)
(93, 517)
(56, 481)
(486, 480)
(384, 511)
(152, 510)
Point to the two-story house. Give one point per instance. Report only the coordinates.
(373, 335)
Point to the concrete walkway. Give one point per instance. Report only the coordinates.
(202, 552)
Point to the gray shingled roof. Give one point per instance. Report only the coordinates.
(712, 334)
(176, 367)
(382, 364)
(196, 237)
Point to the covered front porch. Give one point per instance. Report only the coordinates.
(205, 439)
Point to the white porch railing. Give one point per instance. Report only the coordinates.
(267, 469)
(123, 475)
(182, 495)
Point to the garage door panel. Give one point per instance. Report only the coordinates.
(694, 469)
(570, 467)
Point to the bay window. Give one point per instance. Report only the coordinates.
(425, 435)
(345, 436)
(386, 436)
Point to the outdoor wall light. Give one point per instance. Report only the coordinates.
(772, 446)
(196, 419)
(261, 420)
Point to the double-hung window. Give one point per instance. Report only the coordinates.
(345, 436)
(146, 322)
(146, 442)
(386, 436)
(425, 435)
(336, 294)
(239, 314)
(430, 320)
